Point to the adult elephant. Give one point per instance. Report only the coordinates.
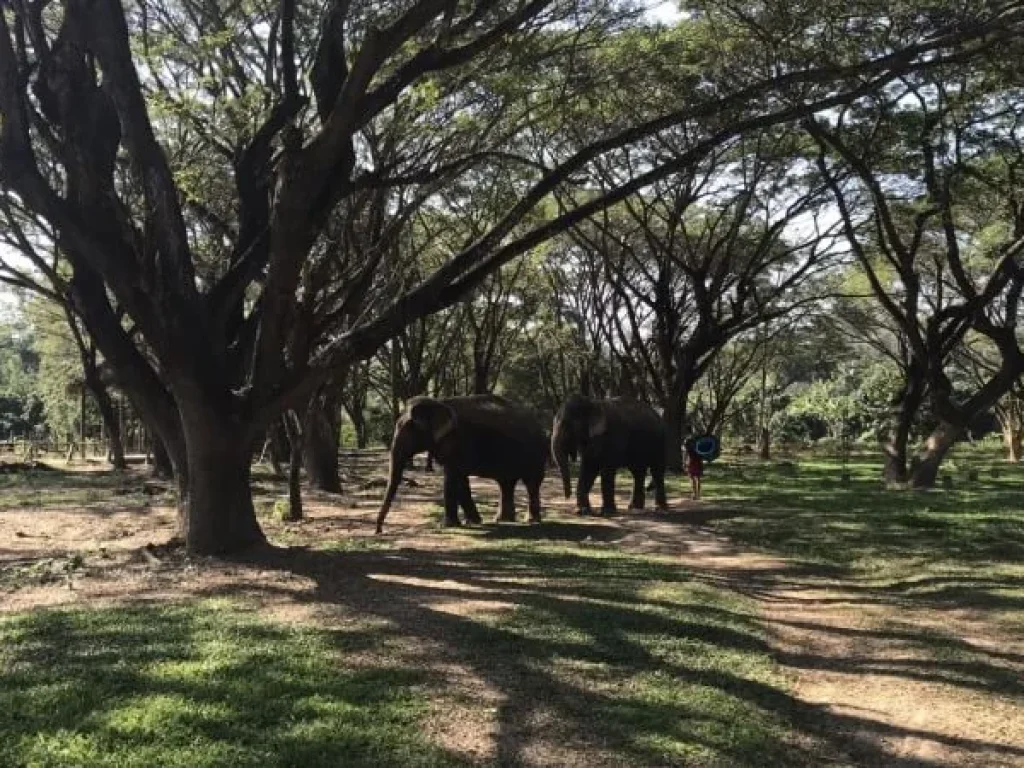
(478, 435)
(608, 435)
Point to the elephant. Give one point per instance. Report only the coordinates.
(479, 435)
(607, 435)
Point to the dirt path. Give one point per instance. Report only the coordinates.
(881, 676)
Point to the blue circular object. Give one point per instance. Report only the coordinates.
(707, 447)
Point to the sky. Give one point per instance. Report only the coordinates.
(659, 10)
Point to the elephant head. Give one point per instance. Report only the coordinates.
(426, 425)
(579, 422)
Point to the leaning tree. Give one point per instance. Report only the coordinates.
(926, 178)
(218, 318)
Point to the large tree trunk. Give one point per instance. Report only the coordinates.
(216, 515)
(764, 444)
(895, 469)
(321, 444)
(115, 441)
(924, 468)
(162, 467)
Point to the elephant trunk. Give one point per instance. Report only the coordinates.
(560, 452)
(400, 455)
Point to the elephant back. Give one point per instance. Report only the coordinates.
(638, 414)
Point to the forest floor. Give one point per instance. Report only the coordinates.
(788, 619)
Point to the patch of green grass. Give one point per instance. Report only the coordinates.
(198, 685)
(974, 530)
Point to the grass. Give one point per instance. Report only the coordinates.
(943, 548)
(198, 685)
(626, 655)
(863, 527)
(594, 654)
(629, 651)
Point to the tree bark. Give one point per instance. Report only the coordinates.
(481, 378)
(321, 443)
(895, 469)
(162, 467)
(358, 418)
(1013, 437)
(115, 441)
(216, 515)
(295, 441)
(764, 444)
(280, 451)
(924, 468)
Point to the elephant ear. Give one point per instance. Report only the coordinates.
(434, 416)
(597, 424)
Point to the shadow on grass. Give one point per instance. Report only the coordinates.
(196, 685)
(616, 653)
(551, 530)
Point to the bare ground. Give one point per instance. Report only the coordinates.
(879, 676)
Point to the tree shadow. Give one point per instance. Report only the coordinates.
(551, 530)
(596, 617)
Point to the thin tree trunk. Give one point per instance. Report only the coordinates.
(764, 435)
(358, 418)
(112, 424)
(295, 441)
(1013, 437)
(280, 450)
(81, 420)
(764, 444)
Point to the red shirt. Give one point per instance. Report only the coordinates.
(695, 466)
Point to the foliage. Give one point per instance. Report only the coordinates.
(20, 405)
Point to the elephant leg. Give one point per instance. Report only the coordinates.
(588, 474)
(533, 491)
(452, 497)
(658, 477)
(507, 505)
(639, 498)
(608, 491)
(467, 503)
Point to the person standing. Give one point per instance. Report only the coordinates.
(694, 468)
